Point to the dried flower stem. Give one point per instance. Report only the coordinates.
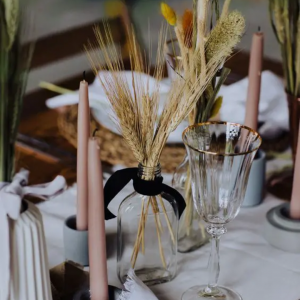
(202, 13)
(140, 227)
(184, 51)
(189, 203)
(162, 256)
(225, 9)
(167, 218)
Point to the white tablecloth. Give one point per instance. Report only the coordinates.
(248, 264)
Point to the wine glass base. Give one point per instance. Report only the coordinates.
(196, 293)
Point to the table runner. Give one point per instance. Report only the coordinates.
(249, 264)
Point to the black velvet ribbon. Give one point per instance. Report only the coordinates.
(144, 187)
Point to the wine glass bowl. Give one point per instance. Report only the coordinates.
(220, 154)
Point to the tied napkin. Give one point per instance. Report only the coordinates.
(273, 108)
(11, 195)
(135, 289)
(101, 107)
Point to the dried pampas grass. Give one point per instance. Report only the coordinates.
(225, 36)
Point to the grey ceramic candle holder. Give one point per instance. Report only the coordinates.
(75, 243)
(256, 182)
(281, 231)
(84, 294)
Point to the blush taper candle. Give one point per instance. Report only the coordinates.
(255, 70)
(97, 241)
(295, 201)
(83, 133)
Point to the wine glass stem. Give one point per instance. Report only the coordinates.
(214, 261)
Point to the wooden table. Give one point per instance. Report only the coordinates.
(45, 153)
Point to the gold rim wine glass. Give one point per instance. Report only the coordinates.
(220, 155)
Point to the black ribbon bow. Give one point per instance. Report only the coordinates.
(144, 187)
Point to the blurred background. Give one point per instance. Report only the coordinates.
(54, 16)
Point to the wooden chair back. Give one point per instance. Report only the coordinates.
(63, 45)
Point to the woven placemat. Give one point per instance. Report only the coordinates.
(114, 149)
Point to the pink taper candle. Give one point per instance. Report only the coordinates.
(83, 133)
(295, 201)
(255, 69)
(97, 242)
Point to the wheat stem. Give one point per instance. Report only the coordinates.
(140, 226)
(141, 235)
(167, 219)
(145, 220)
(161, 251)
(189, 204)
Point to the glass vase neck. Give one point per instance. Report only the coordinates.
(149, 173)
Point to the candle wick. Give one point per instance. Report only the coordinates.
(258, 28)
(83, 75)
(95, 131)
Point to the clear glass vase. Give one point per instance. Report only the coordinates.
(147, 234)
(191, 234)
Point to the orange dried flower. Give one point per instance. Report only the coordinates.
(187, 24)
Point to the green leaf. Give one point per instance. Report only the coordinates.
(224, 73)
(216, 107)
(12, 17)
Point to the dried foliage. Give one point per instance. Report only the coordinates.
(168, 13)
(187, 25)
(201, 48)
(204, 47)
(225, 36)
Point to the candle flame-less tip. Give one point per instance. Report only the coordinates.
(259, 28)
(83, 75)
(95, 131)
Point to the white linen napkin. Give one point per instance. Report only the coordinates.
(11, 195)
(273, 109)
(97, 94)
(100, 105)
(135, 289)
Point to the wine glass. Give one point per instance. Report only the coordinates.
(220, 154)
